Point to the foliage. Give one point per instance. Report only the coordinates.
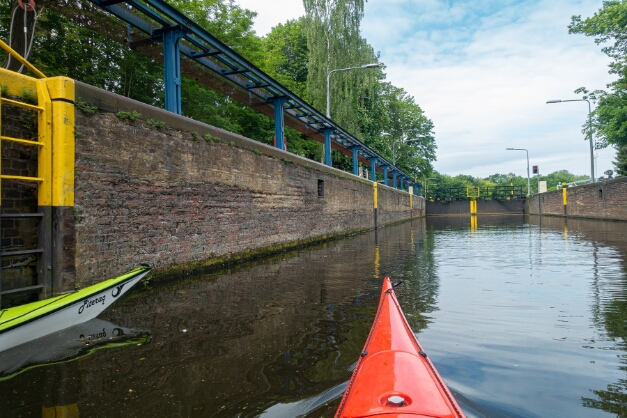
(609, 120)
(132, 116)
(286, 56)
(461, 181)
(28, 95)
(227, 21)
(159, 124)
(86, 108)
(298, 54)
(385, 117)
(334, 42)
(410, 143)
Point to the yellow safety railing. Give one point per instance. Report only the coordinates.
(53, 105)
(16, 85)
(473, 192)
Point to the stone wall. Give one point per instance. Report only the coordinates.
(458, 207)
(602, 200)
(193, 195)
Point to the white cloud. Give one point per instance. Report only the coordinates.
(482, 70)
(271, 13)
(484, 83)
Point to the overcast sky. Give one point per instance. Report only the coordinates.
(482, 71)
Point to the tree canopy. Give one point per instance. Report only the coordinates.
(461, 181)
(298, 53)
(608, 26)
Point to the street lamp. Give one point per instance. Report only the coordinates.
(427, 186)
(589, 130)
(329, 82)
(528, 184)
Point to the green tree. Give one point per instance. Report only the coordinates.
(410, 142)
(334, 42)
(286, 56)
(609, 120)
(228, 22)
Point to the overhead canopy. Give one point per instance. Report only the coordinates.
(229, 73)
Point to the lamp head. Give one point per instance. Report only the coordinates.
(553, 101)
(374, 65)
(509, 149)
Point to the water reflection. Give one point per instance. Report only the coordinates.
(608, 290)
(67, 345)
(523, 316)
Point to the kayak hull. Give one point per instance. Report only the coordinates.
(25, 323)
(394, 378)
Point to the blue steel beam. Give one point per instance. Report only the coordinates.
(355, 149)
(279, 121)
(210, 52)
(385, 174)
(205, 54)
(327, 146)
(373, 168)
(172, 70)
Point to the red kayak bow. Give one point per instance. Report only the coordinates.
(394, 378)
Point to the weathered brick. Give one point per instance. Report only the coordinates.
(602, 200)
(189, 201)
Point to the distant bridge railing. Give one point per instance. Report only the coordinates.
(448, 194)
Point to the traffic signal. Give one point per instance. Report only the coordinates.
(535, 169)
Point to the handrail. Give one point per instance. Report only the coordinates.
(21, 59)
(21, 104)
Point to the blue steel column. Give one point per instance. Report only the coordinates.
(172, 70)
(327, 146)
(373, 168)
(394, 173)
(400, 181)
(355, 150)
(279, 121)
(385, 175)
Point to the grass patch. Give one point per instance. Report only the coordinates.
(28, 96)
(86, 108)
(159, 124)
(132, 116)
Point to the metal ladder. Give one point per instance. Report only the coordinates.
(42, 144)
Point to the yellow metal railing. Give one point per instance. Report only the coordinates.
(55, 148)
(43, 142)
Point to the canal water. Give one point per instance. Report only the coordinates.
(522, 316)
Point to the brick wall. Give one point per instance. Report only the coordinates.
(602, 200)
(457, 207)
(172, 198)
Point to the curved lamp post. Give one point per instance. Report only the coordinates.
(589, 131)
(528, 184)
(329, 82)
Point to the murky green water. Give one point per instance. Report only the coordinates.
(523, 317)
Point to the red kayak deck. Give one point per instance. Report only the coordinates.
(394, 378)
